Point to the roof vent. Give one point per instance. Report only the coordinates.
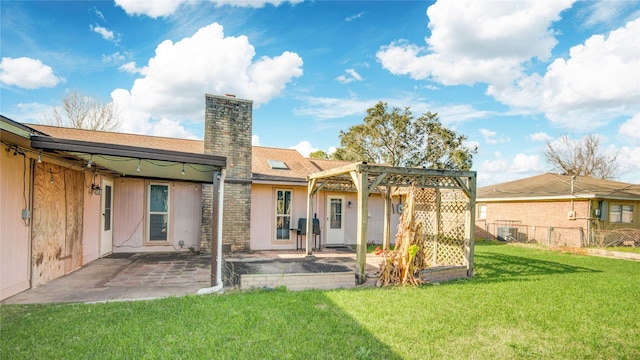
(278, 165)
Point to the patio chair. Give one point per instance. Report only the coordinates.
(302, 231)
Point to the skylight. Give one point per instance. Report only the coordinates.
(278, 165)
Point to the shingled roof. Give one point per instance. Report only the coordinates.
(553, 186)
(116, 138)
(298, 166)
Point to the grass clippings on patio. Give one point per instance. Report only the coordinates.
(522, 303)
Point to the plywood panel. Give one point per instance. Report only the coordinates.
(48, 232)
(57, 222)
(74, 197)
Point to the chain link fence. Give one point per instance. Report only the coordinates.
(615, 238)
(543, 236)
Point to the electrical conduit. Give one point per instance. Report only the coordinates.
(218, 288)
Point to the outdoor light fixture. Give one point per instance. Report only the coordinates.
(51, 179)
(96, 189)
(90, 162)
(138, 169)
(350, 204)
(40, 158)
(182, 172)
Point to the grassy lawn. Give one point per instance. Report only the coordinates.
(522, 303)
(623, 249)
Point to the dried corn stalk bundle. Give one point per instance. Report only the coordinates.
(403, 264)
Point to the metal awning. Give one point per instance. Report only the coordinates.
(133, 161)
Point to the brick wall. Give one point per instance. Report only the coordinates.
(227, 132)
(536, 217)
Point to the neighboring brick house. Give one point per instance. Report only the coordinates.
(556, 210)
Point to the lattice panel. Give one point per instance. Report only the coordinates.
(447, 225)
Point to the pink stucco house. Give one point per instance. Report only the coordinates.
(71, 196)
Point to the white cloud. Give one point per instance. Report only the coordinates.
(522, 163)
(131, 68)
(540, 136)
(603, 12)
(174, 81)
(305, 148)
(99, 14)
(103, 31)
(349, 76)
(255, 140)
(631, 128)
(162, 8)
(451, 114)
(596, 84)
(152, 9)
(629, 162)
(29, 113)
(353, 17)
(500, 169)
(115, 58)
(477, 41)
(498, 165)
(491, 137)
(27, 73)
(333, 108)
(602, 74)
(170, 128)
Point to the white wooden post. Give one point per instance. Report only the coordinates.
(311, 190)
(470, 228)
(386, 236)
(362, 226)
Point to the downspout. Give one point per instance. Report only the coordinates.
(218, 288)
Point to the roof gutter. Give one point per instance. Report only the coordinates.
(559, 197)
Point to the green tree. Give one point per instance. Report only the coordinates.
(398, 138)
(319, 154)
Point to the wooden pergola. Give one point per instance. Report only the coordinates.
(366, 179)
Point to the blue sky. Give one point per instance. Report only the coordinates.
(510, 75)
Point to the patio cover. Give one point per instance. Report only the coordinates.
(365, 179)
(123, 160)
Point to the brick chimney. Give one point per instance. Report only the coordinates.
(227, 132)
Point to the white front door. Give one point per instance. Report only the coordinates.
(106, 220)
(335, 220)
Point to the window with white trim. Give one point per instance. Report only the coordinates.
(158, 213)
(283, 214)
(482, 211)
(621, 213)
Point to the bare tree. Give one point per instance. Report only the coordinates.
(84, 112)
(582, 158)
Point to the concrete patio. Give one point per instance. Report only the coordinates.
(144, 276)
